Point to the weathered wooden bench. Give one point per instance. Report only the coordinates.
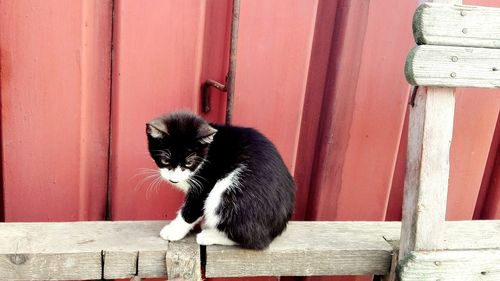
(95, 250)
(459, 47)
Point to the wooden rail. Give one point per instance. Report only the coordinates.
(95, 250)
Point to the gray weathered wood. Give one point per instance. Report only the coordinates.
(453, 67)
(50, 266)
(62, 251)
(470, 265)
(120, 264)
(330, 248)
(426, 181)
(183, 260)
(457, 25)
(152, 263)
(69, 251)
(310, 248)
(477, 234)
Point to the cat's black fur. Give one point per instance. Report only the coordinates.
(255, 212)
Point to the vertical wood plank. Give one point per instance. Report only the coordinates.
(427, 172)
(183, 260)
(310, 119)
(273, 34)
(55, 88)
(428, 168)
(158, 47)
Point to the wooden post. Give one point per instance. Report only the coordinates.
(183, 260)
(428, 168)
(426, 183)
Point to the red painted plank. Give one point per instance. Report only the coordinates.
(275, 41)
(357, 158)
(274, 53)
(363, 113)
(157, 63)
(475, 118)
(395, 204)
(488, 175)
(55, 61)
(491, 207)
(216, 54)
(311, 119)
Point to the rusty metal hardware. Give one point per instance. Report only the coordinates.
(206, 93)
(229, 86)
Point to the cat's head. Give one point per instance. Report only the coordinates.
(178, 143)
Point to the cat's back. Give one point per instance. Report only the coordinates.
(241, 143)
(260, 203)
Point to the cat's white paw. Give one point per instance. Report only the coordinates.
(173, 232)
(203, 239)
(213, 237)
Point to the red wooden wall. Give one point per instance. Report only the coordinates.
(322, 78)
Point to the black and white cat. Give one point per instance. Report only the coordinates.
(233, 178)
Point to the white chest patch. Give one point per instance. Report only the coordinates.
(214, 197)
(183, 185)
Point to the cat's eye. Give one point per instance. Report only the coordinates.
(164, 161)
(189, 164)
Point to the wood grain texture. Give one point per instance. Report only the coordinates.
(120, 264)
(332, 248)
(76, 250)
(428, 166)
(62, 251)
(183, 260)
(310, 248)
(477, 234)
(457, 25)
(50, 266)
(468, 265)
(446, 66)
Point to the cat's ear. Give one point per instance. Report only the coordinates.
(156, 128)
(206, 134)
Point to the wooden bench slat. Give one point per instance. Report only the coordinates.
(451, 265)
(50, 266)
(311, 248)
(444, 66)
(76, 250)
(466, 235)
(457, 25)
(71, 251)
(328, 248)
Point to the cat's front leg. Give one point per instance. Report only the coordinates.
(190, 214)
(178, 228)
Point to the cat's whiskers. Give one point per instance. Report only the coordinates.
(156, 185)
(145, 171)
(149, 175)
(151, 187)
(197, 184)
(143, 181)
